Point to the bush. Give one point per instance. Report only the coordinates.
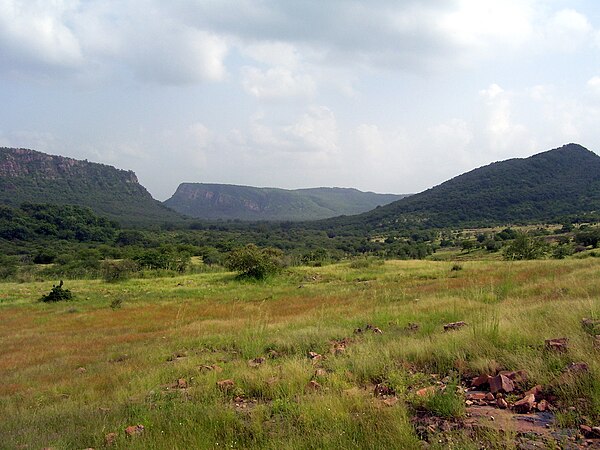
(57, 294)
(113, 271)
(254, 262)
(525, 247)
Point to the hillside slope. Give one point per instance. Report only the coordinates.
(31, 176)
(223, 201)
(555, 183)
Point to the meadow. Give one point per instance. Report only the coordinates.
(155, 351)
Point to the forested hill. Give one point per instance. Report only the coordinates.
(556, 183)
(31, 176)
(223, 201)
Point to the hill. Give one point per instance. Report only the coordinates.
(31, 176)
(223, 201)
(553, 184)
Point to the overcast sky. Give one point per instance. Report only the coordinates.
(382, 95)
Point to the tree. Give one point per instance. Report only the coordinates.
(254, 262)
(525, 247)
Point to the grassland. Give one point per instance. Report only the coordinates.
(76, 371)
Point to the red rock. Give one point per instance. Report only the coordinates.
(578, 368)
(502, 404)
(596, 431)
(425, 392)
(256, 361)
(391, 401)
(501, 383)
(542, 405)
(382, 390)
(377, 330)
(110, 439)
(454, 325)
(314, 355)
(134, 430)
(480, 380)
(225, 384)
(537, 391)
(518, 376)
(489, 397)
(476, 396)
(81, 370)
(320, 373)
(182, 384)
(525, 405)
(585, 430)
(557, 344)
(313, 385)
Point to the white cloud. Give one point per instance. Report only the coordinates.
(593, 85)
(567, 30)
(276, 83)
(316, 129)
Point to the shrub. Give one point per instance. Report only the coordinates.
(525, 247)
(57, 294)
(254, 262)
(113, 271)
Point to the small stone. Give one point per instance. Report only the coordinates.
(578, 368)
(596, 431)
(391, 401)
(313, 385)
(490, 397)
(382, 390)
(377, 330)
(320, 373)
(542, 405)
(536, 391)
(476, 396)
(454, 325)
(412, 327)
(81, 370)
(314, 355)
(225, 384)
(525, 405)
(110, 439)
(182, 384)
(501, 383)
(557, 344)
(134, 430)
(425, 392)
(502, 404)
(256, 361)
(585, 430)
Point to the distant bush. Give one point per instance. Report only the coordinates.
(254, 262)
(57, 294)
(525, 247)
(113, 271)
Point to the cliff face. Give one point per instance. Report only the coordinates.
(31, 176)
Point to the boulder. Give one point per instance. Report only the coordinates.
(501, 383)
(502, 404)
(480, 381)
(525, 405)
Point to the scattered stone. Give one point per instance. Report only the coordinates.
(536, 391)
(383, 390)
(525, 405)
(490, 397)
(320, 373)
(358, 331)
(391, 401)
(412, 327)
(134, 430)
(110, 439)
(502, 404)
(476, 396)
(256, 362)
(577, 368)
(454, 325)
(586, 431)
(313, 385)
(273, 354)
(596, 431)
(542, 405)
(501, 383)
(225, 385)
(425, 392)
(518, 376)
(209, 368)
(81, 370)
(181, 384)
(314, 356)
(377, 330)
(558, 344)
(597, 342)
(177, 356)
(480, 381)
(592, 326)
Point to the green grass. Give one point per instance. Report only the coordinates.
(170, 328)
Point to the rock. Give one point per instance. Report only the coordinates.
(110, 439)
(454, 325)
(591, 326)
(273, 354)
(480, 380)
(314, 355)
(134, 430)
(391, 401)
(557, 344)
(585, 430)
(412, 327)
(476, 396)
(501, 383)
(596, 431)
(313, 385)
(182, 384)
(211, 368)
(320, 373)
(542, 405)
(524, 405)
(425, 392)
(597, 342)
(81, 370)
(256, 361)
(502, 404)
(358, 330)
(225, 385)
(578, 368)
(382, 390)
(377, 330)
(490, 397)
(537, 391)
(518, 376)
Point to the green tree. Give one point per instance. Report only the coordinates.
(525, 247)
(254, 262)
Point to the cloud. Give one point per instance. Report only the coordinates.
(567, 30)
(316, 129)
(276, 83)
(593, 85)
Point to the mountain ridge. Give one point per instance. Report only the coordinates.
(215, 201)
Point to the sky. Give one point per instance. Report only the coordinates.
(391, 96)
